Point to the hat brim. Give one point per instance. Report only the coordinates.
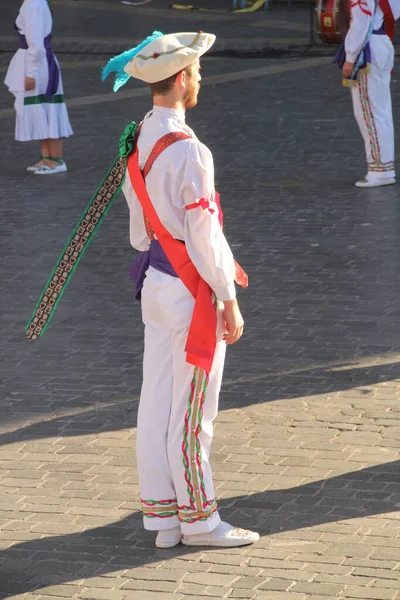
(169, 55)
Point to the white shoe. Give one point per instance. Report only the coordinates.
(32, 168)
(168, 538)
(366, 183)
(61, 168)
(224, 536)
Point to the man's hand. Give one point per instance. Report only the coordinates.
(30, 83)
(233, 321)
(347, 69)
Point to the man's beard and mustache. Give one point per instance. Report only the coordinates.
(191, 95)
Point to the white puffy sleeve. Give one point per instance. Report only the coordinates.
(362, 13)
(205, 241)
(35, 32)
(137, 230)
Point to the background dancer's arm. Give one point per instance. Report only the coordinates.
(35, 34)
(362, 12)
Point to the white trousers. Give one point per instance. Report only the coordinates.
(178, 405)
(372, 106)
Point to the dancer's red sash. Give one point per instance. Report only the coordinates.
(389, 21)
(201, 341)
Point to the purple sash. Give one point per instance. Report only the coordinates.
(340, 56)
(54, 71)
(156, 258)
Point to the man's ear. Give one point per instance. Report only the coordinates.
(181, 79)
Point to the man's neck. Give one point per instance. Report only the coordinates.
(166, 102)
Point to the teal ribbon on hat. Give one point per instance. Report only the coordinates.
(116, 65)
(82, 235)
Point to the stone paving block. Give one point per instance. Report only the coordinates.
(63, 591)
(56, 528)
(229, 569)
(239, 593)
(277, 595)
(145, 595)
(281, 585)
(386, 583)
(100, 594)
(105, 582)
(183, 565)
(192, 589)
(343, 579)
(318, 567)
(347, 550)
(378, 573)
(369, 592)
(151, 586)
(32, 596)
(371, 563)
(156, 574)
(248, 582)
(213, 579)
(292, 575)
(325, 589)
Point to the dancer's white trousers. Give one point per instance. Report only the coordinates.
(372, 106)
(178, 405)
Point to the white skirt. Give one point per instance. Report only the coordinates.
(37, 118)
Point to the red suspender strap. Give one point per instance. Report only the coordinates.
(162, 144)
(390, 23)
(201, 341)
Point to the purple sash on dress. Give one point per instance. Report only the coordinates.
(54, 71)
(156, 258)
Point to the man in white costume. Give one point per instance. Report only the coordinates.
(34, 78)
(179, 399)
(371, 30)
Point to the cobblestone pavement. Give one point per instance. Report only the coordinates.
(307, 440)
(94, 26)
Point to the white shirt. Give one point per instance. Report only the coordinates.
(34, 22)
(182, 175)
(363, 12)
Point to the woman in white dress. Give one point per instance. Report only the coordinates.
(34, 78)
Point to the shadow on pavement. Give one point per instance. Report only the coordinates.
(241, 393)
(125, 545)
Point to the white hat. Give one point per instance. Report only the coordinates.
(168, 55)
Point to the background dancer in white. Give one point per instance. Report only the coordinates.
(34, 78)
(373, 22)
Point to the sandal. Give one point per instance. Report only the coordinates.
(38, 165)
(61, 167)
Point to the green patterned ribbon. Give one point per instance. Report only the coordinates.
(87, 226)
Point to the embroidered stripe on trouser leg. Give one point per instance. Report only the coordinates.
(373, 110)
(194, 408)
